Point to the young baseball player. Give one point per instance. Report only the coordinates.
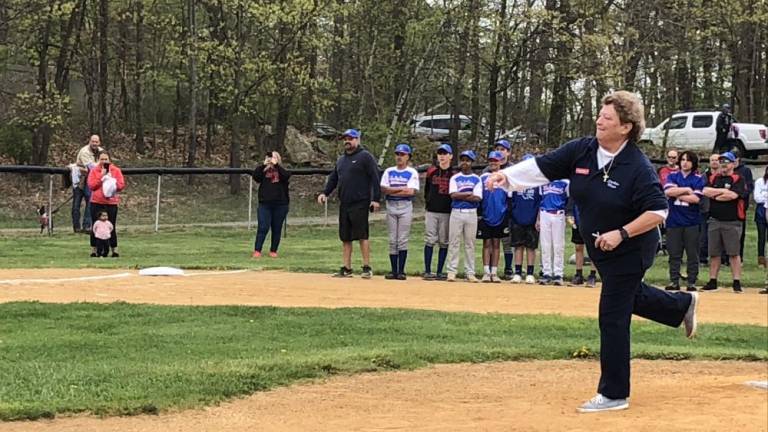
(504, 147)
(554, 198)
(493, 221)
(466, 192)
(524, 230)
(399, 183)
(438, 211)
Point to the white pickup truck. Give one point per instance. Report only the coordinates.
(696, 131)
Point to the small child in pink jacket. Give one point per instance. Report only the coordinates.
(102, 230)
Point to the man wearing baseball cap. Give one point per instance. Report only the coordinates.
(725, 191)
(438, 210)
(399, 184)
(493, 220)
(466, 192)
(357, 177)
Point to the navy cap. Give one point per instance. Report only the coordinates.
(446, 148)
(403, 148)
(352, 133)
(503, 143)
(728, 156)
(527, 156)
(468, 153)
(495, 155)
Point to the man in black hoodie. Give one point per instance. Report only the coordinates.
(357, 178)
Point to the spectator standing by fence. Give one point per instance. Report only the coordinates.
(357, 178)
(274, 202)
(712, 169)
(761, 198)
(106, 182)
(85, 160)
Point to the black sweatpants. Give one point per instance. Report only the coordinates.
(111, 210)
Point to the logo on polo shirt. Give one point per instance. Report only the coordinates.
(582, 171)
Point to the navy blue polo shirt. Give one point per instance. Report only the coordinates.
(681, 213)
(631, 189)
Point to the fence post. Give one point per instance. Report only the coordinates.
(250, 201)
(326, 212)
(157, 203)
(50, 204)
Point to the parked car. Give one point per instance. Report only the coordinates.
(696, 131)
(438, 126)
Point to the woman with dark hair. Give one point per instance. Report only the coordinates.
(273, 202)
(106, 182)
(761, 195)
(620, 204)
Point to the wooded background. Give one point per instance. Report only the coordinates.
(227, 68)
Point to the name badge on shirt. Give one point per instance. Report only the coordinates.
(582, 171)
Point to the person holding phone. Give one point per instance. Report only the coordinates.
(105, 181)
(357, 177)
(273, 201)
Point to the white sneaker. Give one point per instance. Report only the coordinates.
(451, 277)
(530, 280)
(517, 279)
(601, 403)
(487, 278)
(472, 279)
(690, 316)
(495, 278)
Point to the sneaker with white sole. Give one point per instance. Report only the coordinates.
(530, 280)
(451, 277)
(486, 278)
(600, 403)
(690, 316)
(517, 278)
(495, 278)
(471, 278)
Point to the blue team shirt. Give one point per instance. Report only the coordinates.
(395, 178)
(465, 183)
(683, 214)
(554, 196)
(525, 206)
(494, 203)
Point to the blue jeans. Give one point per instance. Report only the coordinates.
(79, 195)
(271, 216)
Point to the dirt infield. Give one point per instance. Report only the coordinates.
(525, 396)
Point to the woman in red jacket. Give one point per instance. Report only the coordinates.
(105, 181)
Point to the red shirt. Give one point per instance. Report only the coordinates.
(94, 182)
(666, 171)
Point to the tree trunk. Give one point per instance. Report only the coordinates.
(139, 76)
(235, 146)
(103, 66)
(336, 68)
(458, 84)
(476, 72)
(122, 55)
(494, 70)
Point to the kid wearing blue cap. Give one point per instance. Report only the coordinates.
(466, 192)
(399, 184)
(437, 201)
(493, 221)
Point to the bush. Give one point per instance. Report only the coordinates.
(16, 143)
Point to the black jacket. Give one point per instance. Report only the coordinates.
(357, 177)
(274, 184)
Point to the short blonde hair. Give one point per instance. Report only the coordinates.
(630, 110)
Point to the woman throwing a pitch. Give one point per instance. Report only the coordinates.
(620, 204)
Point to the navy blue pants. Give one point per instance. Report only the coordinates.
(622, 296)
(271, 216)
(78, 196)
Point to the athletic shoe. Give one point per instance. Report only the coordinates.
(429, 276)
(600, 403)
(390, 276)
(508, 275)
(530, 280)
(495, 278)
(557, 281)
(672, 286)
(343, 273)
(93, 255)
(691, 288)
(737, 287)
(763, 291)
(690, 316)
(517, 278)
(273, 254)
(710, 286)
(591, 281)
(578, 279)
(256, 254)
(401, 276)
(441, 277)
(451, 277)
(486, 278)
(367, 272)
(471, 279)
(545, 280)
(115, 255)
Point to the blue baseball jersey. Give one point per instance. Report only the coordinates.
(494, 204)
(525, 206)
(683, 214)
(554, 196)
(395, 178)
(465, 183)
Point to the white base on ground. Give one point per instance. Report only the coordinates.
(758, 384)
(161, 271)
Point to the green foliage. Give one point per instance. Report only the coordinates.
(15, 143)
(124, 359)
(30, 110)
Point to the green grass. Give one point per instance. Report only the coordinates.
(305, 249)
(116, 359)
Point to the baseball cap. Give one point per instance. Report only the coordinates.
(503, 143)
(446, 148)
(468, 153)
(527, 156)
(730, 157)
(352, 133)
(495, 155)
(403, 148)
